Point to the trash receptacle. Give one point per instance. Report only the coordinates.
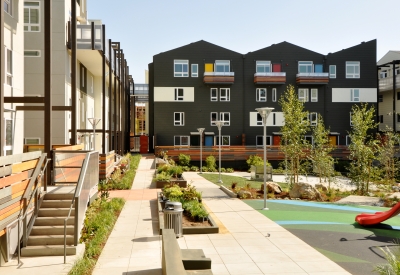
(173, 217)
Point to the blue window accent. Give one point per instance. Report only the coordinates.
(318, 68)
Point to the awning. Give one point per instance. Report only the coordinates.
(194, 133)
(334, 133)
(209, 133)
(277, 133)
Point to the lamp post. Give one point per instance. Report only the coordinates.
(219, 124)
(201, 130)
(94, 121)
(264, 113)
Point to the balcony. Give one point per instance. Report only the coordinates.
(386, 84)
(270, 78)
(219, 77)
(84, 34)
(312, 78)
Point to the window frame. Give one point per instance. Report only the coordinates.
(332, 75)
(264, 64)
(268, 140)
(192, 73)
(214, 98)
(181, 120)
(29, 25)
(380, 118)
(308, 138)
(183, 73)
(354, 65)
(227, 96)
(178, 97)
(314, 98)
(353, 97)
(273, 94)
(303, 98)
(213, 115)
(313, 118)
(223, 139)
(181, 138)
(380, 98)
(222, 116)
(348, 140)
(9, 62)
(398, 117)
(9, 7)
(307, 64)
(226, 64)
(351, 119)
(8, 135)
(260, 98)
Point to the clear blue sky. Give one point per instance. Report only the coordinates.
(148, 27)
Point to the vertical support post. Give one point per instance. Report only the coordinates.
(394, 98)
(25, 223)
(219, 125)
(109, 93)
(103, 83)
(47, 86)
(265, 162)
(2, 78)
(73, 73)
(201, 130)
(93, 34)
(115, 102)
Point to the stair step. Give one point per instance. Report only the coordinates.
(47, 250)
(55, 212)
(56, 204)
(50, 240)
(52, 230)
(58, 196)
(53, 221)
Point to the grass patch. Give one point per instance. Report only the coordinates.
(240, 181)
(124, 181)
(100, 219)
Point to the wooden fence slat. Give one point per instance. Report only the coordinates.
(19, 167)
(4, 182)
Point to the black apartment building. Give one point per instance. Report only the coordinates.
(195, 85)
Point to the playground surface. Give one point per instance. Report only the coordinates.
(331, 229)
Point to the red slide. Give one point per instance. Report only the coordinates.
(371, 219)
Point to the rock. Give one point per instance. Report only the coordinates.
(303, 190)
(272, 187)
(321, 186)
(243, 194)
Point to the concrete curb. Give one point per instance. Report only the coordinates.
(228, 192)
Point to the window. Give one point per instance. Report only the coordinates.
(31, 16)
(261, 94)
(314, 95)
(179, 118)
(214, 94)
(380, 98)
(352, 69)
(260, 140)
(381, 119)
(181, 140)
(273, 95)
(259, 119)
(83, 78)
(8, 6)
(398, 95)
(178, 94)
(348, 140)
(397, 71)
(383, 74)
(32, 140)
(263, 66)
(222, 66)
(332, 71)
(31, 53)
(398, 117)
(303, 95)
(195, 70)
(313, 119)
(181, 68)
(9, 137)
(354, 95)
(309, 139)
(305, 66)
(223, 116)
(351, 120)
(9, 62)
(224, 94)
(225, 140)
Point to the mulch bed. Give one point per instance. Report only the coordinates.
(188, 221)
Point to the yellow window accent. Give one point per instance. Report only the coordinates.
(209, 67)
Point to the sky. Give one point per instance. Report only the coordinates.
(148, 27)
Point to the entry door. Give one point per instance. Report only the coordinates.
(194, 140)
(208, 141)
(333, 140)
(277, 140)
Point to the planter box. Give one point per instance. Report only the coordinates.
(187, 230)
(181, 182)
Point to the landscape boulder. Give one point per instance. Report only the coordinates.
(272, 187)
(321, 186)
(303, 190)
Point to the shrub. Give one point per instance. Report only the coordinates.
(172, 191)
(195, 168)
(229, 170)
(204, 169)
(184, 160)
(254, 160)
(223, 170)
(163, 176)
(211, 163)
(185, 168)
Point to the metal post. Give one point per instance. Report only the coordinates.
(201, 130)
(264, 112)
(219, 124)
(94, 122)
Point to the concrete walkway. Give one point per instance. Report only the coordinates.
(249, 243)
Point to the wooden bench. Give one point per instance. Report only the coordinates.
(176, 261)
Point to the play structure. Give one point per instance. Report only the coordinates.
(372, 219)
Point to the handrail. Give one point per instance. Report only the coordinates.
(38, 173)
(77, 194)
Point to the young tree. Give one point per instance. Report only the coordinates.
(388, 163)
(320, 156)
(296, 125)
(363, 146)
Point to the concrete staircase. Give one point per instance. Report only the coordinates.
(47, 235)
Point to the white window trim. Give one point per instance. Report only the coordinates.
(29, 24)
(268, 139)
(304, 97)
(222, 62)
(314, 98)
(10, 5)
(8, 147)
(227, 96)
(331, 75)
(354, 98)
(183, 73)
(222, 140)
(212, 123)
(260, 98)
(306, 63)
(181, 120)
(351, 120)
(194, 74)
(263, 63)
(273, 94)
(348, 141)
(312, 139)
(222, 118)
(177, 96)
(313, 122)
(9, 74)
(180, 140)
(37, 139)
(353, 64)
(214, 98)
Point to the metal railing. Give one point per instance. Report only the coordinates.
(271, 74)
(219, 73)
(312, 75)
(85, 189)
(386, 84)
(27, 201)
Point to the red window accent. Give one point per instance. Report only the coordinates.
(276, 67)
